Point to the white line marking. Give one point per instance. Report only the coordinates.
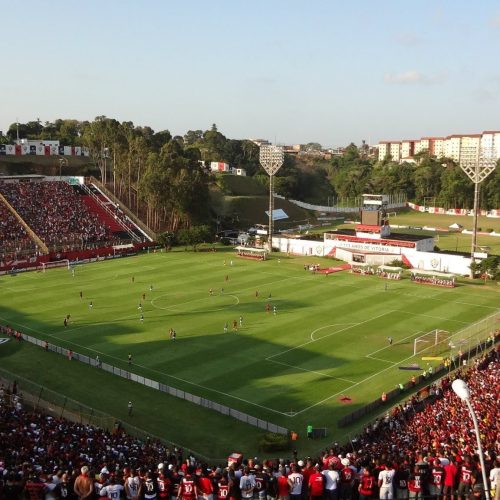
(328, 326)
(329, 335)
(434, 317)
(106, 355)
(353, 386)
(398, 342)
(311, 371)
(180, 304)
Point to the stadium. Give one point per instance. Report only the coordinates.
(170, 368)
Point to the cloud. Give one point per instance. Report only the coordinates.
(414, 78)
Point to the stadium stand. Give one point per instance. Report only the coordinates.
(14, 240)
(42, 454)
(56, 213)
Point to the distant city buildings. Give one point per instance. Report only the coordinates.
(458, 147)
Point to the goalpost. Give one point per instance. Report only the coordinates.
(58, 263)
(435, 342)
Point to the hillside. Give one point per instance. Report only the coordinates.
(45, 165)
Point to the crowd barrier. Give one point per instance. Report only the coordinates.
(153, 384)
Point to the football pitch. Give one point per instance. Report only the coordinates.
(296, 348)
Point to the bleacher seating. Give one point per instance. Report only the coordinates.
(57, 214)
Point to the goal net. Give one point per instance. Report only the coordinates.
(434, 343)
(59, 263)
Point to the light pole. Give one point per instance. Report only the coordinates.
(271, 158)
(461, 389)
(477, 163)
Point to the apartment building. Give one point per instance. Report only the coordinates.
(458, 147)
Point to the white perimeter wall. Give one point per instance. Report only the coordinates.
(429, 261)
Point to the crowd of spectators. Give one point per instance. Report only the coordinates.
(56, 213)
(15, 243)
(413, 452)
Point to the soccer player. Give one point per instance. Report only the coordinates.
(275, 310)
(174, 334)
(129, 359)
(133, 279)
(143, 297)
(210, 292)
(268, 308)
(139, 307)
(81, 294)
(98, 361)
(389, 339)
(141, 318)
(225, 327)
(256, 294)
(227, 277)
(65, 322)
(91, 305)
(235, 325)
(150, 288)
(130, 407)
(241, 321)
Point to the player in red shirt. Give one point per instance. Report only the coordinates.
(316, 484)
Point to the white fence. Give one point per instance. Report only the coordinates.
(153, 384)
(395, 201)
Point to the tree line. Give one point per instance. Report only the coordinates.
(164, 179)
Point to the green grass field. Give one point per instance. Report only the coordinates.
(327, 339)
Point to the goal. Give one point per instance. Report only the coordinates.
(51, 265)
(434, 342)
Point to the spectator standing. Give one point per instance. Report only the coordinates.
(84, 487)
(385, 482)
(247, 484)
(295, 480)
(366, 485)
(316, 484)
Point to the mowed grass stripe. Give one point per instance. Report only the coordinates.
(233, 368)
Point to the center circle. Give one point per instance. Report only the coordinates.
(182, 303)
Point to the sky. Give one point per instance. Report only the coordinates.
(289, 71)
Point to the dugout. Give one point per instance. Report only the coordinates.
(251, 253)
(434, 278)
(390, 272)
(362, 268)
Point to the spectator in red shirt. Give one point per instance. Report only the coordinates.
(316, 484)
(366, 485)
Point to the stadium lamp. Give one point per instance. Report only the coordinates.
(461, 389)
(271, 158)
(477, 164)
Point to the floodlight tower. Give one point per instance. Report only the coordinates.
(477, 163)
(271, 158)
